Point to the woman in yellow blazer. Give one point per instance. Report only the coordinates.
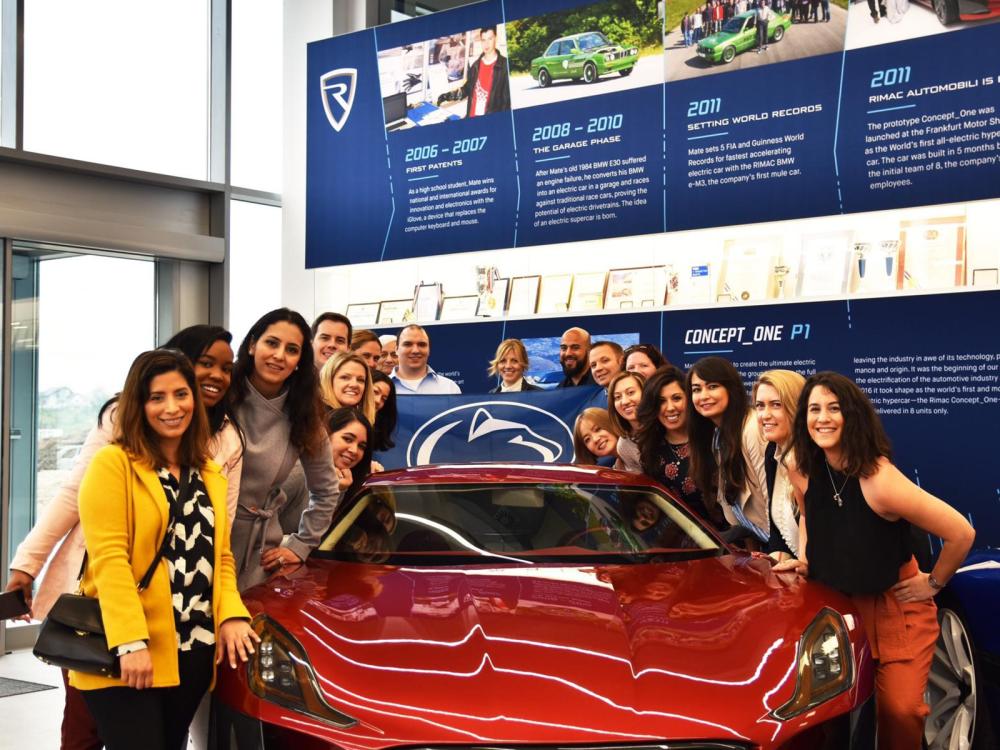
(155, 481)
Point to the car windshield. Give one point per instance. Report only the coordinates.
(460, 524)
(734, 25)
(593, 40)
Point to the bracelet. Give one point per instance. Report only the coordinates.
(934, 582)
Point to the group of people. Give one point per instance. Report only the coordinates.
(188, 473)
(800, 470)
(231, 466)
(709, 19)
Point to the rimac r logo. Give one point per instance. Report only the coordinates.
(491, 431)
(338, 88)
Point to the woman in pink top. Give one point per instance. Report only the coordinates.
(209, 349)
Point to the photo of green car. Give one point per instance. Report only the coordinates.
(739, 34)
(586, 56)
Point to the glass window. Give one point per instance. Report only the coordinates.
(119, 82)
(254, 264)
(449, 524)
(78, 322)
(256, 95)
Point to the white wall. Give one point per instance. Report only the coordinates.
(304, 21)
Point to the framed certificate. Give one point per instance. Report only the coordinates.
(427, 300)
(985, 276)
(363, 314)
(493, 304)
(395, 312)
(524, 295)
(554, 294)
(629, 288)
(825, 264)
(588, 291)
(746, 268)
(932, 253)
(459, 308)
(694, 285)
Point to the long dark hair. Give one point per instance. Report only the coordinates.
(302, 404)
(652, 436)
(194, 341)
(132, 429)
(338, 419)
(862, 438)
(386, 417)
(702, 429)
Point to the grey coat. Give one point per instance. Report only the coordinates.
(267, 461)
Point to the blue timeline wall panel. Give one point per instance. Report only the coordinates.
(817, 124)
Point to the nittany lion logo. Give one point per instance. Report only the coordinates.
(491, 431)
(337, 88)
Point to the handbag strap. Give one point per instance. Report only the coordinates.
(183, 495)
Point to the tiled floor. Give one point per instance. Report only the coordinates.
(30, 720)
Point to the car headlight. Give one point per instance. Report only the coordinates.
(609, 56)
(279, 672)
(825, 664)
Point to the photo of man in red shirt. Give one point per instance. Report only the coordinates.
(487, 86)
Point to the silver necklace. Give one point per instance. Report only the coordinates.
(836, 493)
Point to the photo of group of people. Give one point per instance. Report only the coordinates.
(722, 35)
(449, 78)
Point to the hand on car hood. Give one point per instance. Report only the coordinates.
(553, 653)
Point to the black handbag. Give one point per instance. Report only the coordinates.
(72, 635)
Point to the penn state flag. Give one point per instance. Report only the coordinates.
(527, 426)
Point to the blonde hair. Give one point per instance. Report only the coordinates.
(789, 385)
(621, 426)
(329, 372)
(506, 346)
(601, 419)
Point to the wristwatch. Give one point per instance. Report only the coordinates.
(934, 583)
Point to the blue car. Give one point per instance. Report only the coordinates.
(964, 686)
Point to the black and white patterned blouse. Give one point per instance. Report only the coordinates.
(190, 560)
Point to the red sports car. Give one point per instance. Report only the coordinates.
(516, 606)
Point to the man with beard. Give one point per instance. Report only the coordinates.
(574, 353)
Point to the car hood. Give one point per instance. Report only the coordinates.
(548, 653)
(720, 37)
